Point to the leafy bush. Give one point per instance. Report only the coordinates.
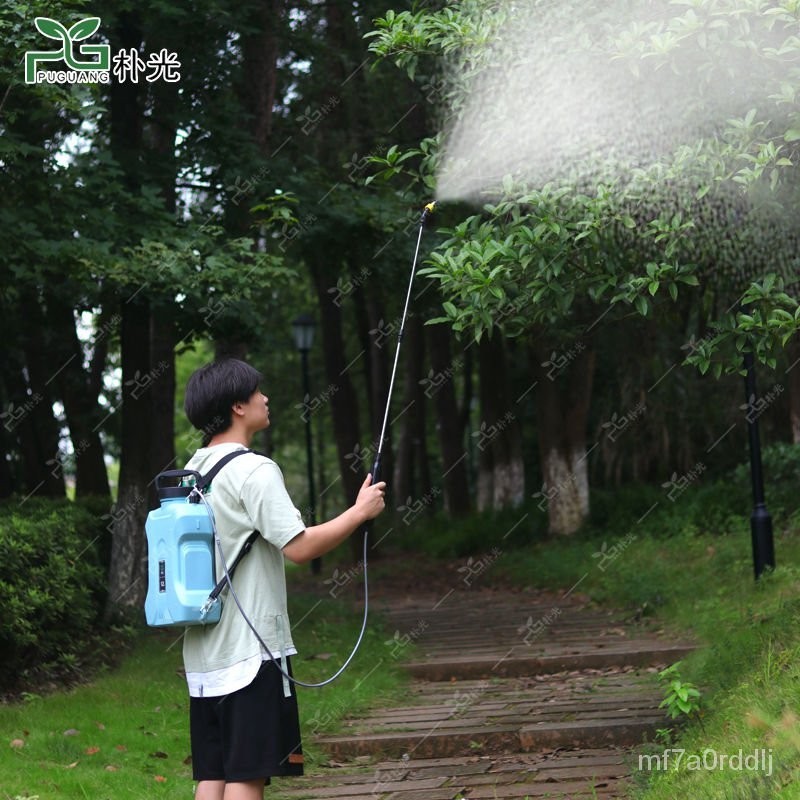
(52, 584)
(442, 537)
(781, 468)
(618, 509)
(781, 462)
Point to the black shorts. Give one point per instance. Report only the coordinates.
(249, 734)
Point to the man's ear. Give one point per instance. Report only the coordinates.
(238, 408)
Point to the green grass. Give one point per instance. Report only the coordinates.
(125, 735)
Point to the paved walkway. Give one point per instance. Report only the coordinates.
(514, 695)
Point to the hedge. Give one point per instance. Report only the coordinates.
(52, 585)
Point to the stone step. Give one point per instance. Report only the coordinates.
(505, 715)
(513, 696)
(598, 773)
(442, 740)
(451, 709)
(512, 663)
(471, 635)
(394, 724)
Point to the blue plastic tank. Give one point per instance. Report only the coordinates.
(180, 557)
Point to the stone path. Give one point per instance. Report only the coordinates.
(514, 695)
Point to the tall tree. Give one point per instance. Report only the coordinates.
(501, 474)
(450, 423)
(563, 393)
(127, 571)
(79, 397)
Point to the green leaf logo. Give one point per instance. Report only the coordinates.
(51, 28)
(84, 29)
(86, 57)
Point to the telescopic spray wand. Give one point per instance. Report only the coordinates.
(376, 470)
(376, 464)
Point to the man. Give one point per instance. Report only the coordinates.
(243, 711)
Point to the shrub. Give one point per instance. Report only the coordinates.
(618, 509)
(781, 468)
(440, 536)
(52, 584)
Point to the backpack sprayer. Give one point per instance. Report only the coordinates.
(180, 533)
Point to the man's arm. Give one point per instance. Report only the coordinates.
(319, 539)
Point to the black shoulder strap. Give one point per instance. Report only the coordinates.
(202, 484)
(206, 479)
(223, 582)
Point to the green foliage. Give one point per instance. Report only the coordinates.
(618, 509)
(532, 260)
(52, 582)
(439, 536)
(17, 35)
(781, 466)
(781, 463)
(681, 697)
(225, 283)
(426, 42)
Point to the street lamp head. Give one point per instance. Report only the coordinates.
(303, 332)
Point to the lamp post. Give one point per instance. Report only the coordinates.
(760, 519)
(303, 333)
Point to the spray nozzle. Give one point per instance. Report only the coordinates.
(428, 210)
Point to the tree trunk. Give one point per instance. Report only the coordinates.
(126, 107)
(256, 94)
(127, 584)
(365, 322)
(440, 387)
(563, 395)
(127, 570)
(159, 137)
(419, 428)
(162, 394)
(465, 415)
(793, 354)
(80, 403)
(39, 430)
(343, 400)
(6, 478)
(7, 436)
(24, 469)
(260, 57)
(381, 342)
(406, 482)
(501, 479)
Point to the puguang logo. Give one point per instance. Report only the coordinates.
(91, 64)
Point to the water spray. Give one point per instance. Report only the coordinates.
(376, 469)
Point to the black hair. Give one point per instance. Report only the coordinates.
(213, 389)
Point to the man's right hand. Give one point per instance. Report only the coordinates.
(370, 501)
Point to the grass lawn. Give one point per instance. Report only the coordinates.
(124, 736)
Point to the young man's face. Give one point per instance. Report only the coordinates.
(255, 412)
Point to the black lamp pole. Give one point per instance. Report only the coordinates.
(760, 519)
(303, 331)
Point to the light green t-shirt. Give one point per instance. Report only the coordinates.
(247, 494)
